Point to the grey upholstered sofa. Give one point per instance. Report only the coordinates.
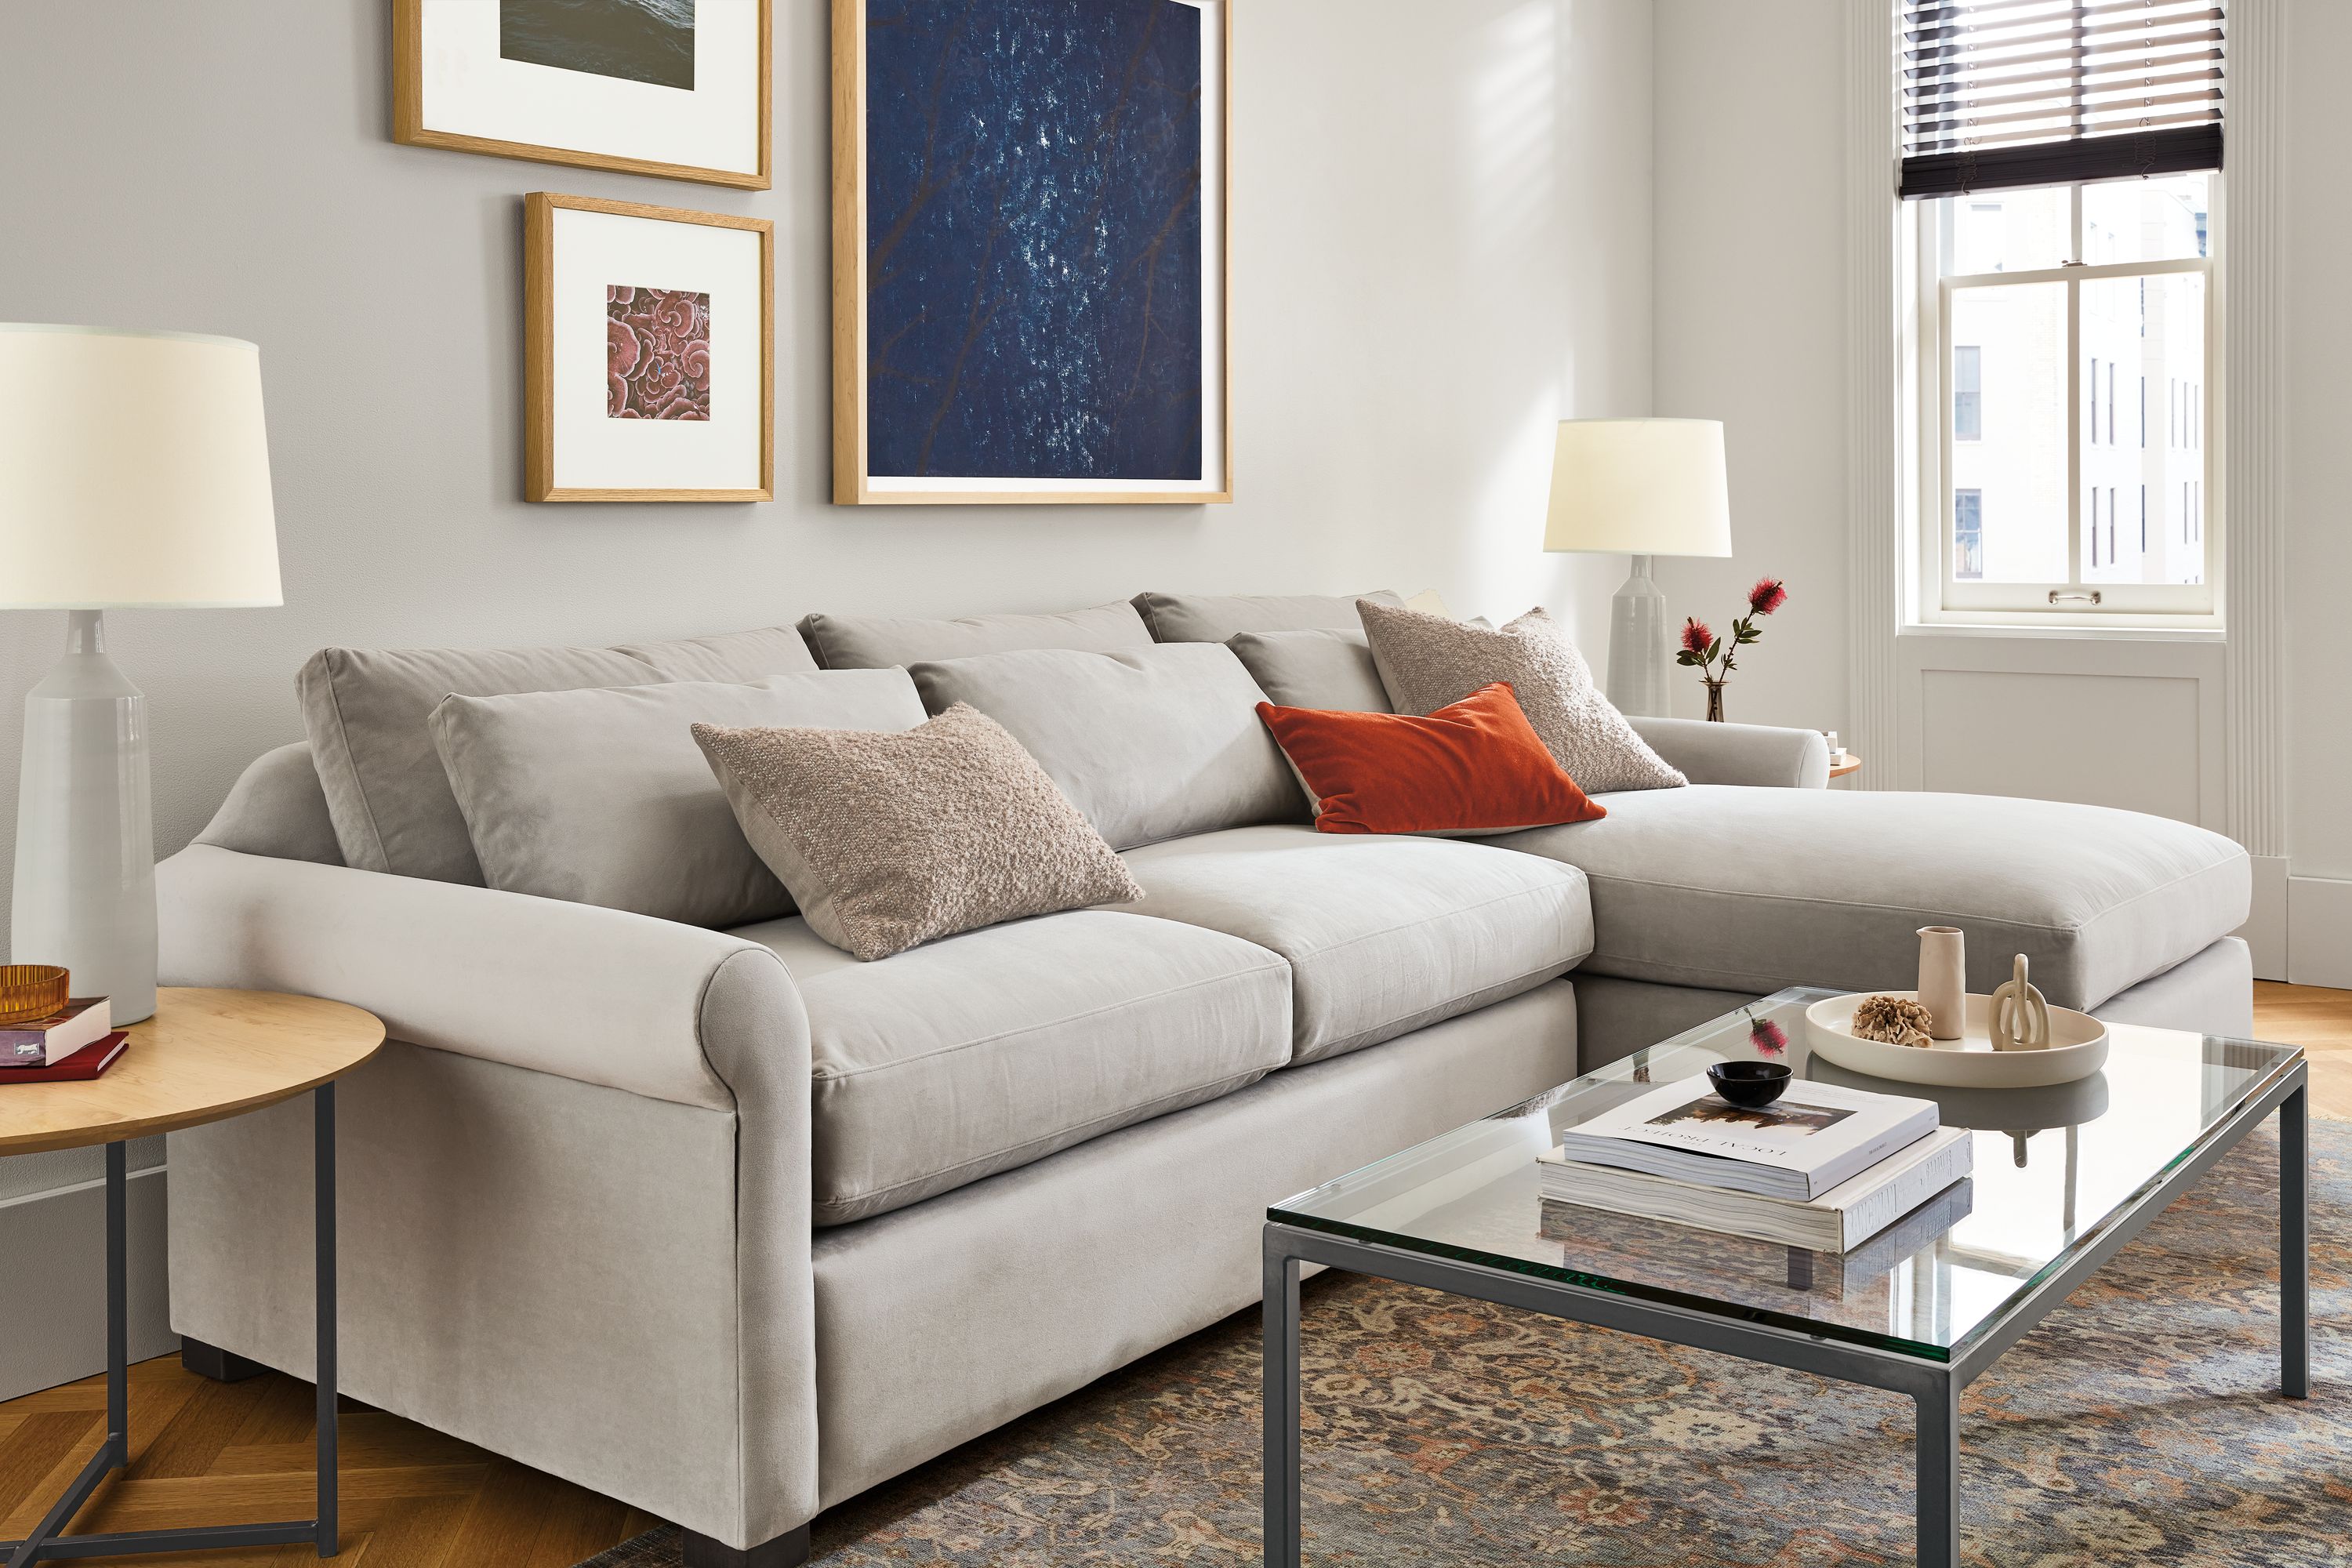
(733, 1226)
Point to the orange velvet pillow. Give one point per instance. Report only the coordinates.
(1474, 766)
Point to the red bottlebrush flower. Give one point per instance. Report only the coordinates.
(1767, 1037)
(1696, 637)
(1768, 594)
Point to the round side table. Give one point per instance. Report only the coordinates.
(205, 1056)
(1844, 762)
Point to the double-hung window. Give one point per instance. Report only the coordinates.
(2063, 159)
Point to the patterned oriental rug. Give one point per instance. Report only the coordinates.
(2141, 1423)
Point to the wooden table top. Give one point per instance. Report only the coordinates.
(204, 1056)
(1847, 763)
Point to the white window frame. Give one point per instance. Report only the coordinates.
(1943, 600)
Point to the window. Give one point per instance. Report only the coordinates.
(2027, 394)
(1968, 392)
(2064, 163)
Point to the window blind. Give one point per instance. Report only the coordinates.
(2039, 92)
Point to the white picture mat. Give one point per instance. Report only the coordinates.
(468, 91)
(1212, 479)
(590, 252)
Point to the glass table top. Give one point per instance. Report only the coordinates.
(2054, 1167)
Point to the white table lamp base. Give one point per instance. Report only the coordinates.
(1638, 642)
(85, 891)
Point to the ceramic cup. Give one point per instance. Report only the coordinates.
(1944, 980)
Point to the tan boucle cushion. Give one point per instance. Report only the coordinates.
(887, 841)
(1429, 661)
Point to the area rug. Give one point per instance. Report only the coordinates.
(2141, 1423)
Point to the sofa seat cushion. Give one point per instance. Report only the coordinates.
(1383, 935)
(1751, 890)
(985, 1051)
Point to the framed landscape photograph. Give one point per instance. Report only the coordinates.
(1031, 251)
(649, 353)
(675, 87)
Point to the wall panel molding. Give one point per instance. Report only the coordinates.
(2254, 456)
(1875, 509)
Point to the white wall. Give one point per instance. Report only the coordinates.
(1443, 235)
(1750, 330)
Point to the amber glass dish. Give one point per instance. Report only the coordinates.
(30, 991)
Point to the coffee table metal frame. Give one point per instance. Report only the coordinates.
(1934, 1386)
(45, 1544)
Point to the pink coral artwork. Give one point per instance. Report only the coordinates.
(656, 353)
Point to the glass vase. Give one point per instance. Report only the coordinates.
(1715, 701)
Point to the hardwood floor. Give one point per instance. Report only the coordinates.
(208, 1453)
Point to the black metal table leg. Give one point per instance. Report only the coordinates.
(45, 1544)
(2294, 1244)
(323, 1180)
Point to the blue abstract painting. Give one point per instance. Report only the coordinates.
(1033, 231)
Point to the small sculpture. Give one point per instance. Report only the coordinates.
(1894, 1020)
(2019, 1016)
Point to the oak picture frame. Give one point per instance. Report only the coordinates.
(540, 208)
(852, 483)
(409, 130)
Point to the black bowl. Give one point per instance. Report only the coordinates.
(1749, 1084)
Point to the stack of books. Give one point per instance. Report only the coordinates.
(78, 1043)
(1821, 1167)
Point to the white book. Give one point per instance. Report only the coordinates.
(1838, 1221)
(1815, 1137)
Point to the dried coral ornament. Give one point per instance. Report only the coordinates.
(1893, 1020)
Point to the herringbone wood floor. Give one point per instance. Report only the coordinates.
(206, 1453)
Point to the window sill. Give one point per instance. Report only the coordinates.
(2137, 629)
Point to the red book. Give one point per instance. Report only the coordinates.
(86, 1063)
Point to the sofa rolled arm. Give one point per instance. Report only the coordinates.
(1759, 754)
(649, 1007)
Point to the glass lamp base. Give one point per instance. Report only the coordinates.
(85, 887)
(1638, 661)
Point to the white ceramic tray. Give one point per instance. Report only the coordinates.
(2077, 1049)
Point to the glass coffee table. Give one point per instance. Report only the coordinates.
(2063, 1178)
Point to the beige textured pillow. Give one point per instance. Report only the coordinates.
(1428, 661)
(887, 841)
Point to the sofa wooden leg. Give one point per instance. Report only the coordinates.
(220, 1365)
(790, 1550)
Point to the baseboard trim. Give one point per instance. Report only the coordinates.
(59, 1334)
(2319, 931)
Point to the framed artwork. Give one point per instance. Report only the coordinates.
(1031, 252)
(675, 87)
(649, 353)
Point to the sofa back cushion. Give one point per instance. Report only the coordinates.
(731, 655)
(600, 796)
(366, 712)
(1155, 743)
(1325, 669)
(878, 642)
(1215, 617)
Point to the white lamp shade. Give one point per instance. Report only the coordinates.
(135, 472)
(1639, 487)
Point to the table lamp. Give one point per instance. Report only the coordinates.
(1643, 488)
(134, 474)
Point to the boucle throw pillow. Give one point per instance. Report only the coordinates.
(889, 841)
(1428, 661)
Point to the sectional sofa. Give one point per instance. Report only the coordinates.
(731, 1226)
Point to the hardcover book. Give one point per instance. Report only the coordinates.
(42, 1041)
(1838, 1221)
(86, 1063)
(1815, 1137)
